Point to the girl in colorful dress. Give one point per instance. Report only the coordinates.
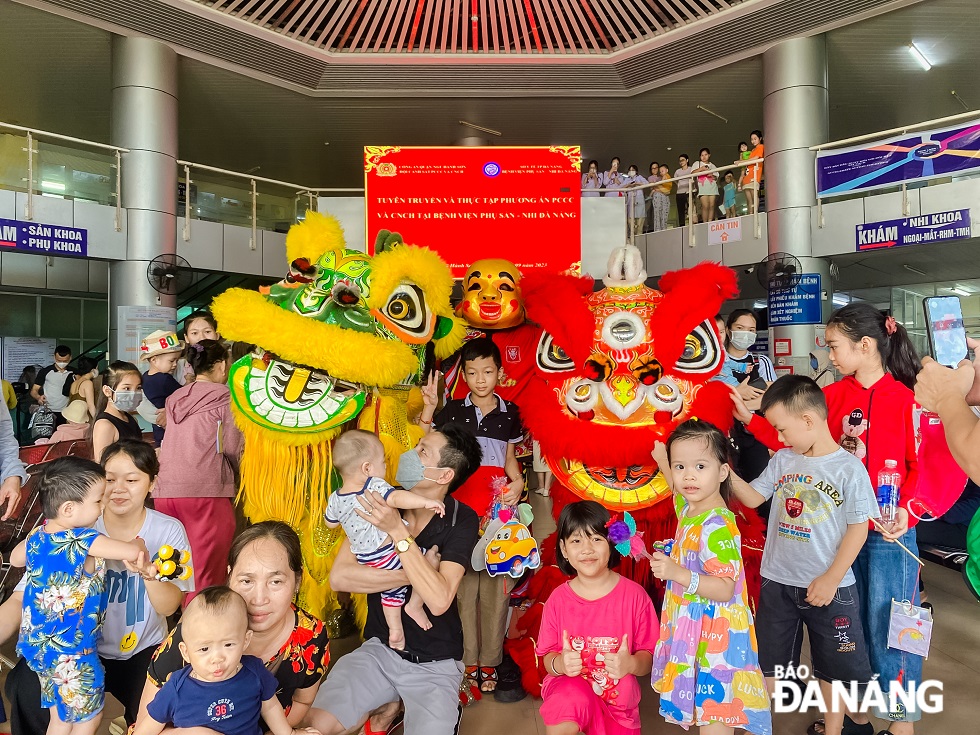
(706, 664)
(65, 594)
(597, 633)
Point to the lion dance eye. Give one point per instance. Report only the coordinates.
(702, 353)
(550, 357)
(692, 349)
(406, 307)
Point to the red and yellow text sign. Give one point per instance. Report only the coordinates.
(521, 204)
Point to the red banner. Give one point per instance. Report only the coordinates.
(517, 203)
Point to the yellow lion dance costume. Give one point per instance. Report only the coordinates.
(343, 337)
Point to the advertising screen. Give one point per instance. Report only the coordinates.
(518, 203)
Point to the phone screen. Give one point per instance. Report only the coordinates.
(947, 335)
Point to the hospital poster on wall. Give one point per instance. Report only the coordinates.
(137, 322)
(19, 352)
(517, 203)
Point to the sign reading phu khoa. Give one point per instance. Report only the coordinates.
(919, 230)
(41, 239)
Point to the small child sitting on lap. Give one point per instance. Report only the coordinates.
(64, 597)
(220, 688)
(359, 457)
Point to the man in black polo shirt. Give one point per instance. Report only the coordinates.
(427, 674)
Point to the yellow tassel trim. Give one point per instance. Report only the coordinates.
(282, 482)
(314, 236)
(359, 357)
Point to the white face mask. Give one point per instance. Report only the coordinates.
(61, 365)
(743, 340)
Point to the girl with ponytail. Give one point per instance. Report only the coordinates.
(870, 410)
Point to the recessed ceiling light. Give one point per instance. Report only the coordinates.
(918, 56)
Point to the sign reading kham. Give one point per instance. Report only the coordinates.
(34, 237)
(723, 231)
(919, 230)
(517, 203)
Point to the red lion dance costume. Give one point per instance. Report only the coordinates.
(615, 371)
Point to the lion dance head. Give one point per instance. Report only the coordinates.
(618, 370)
(339, 329)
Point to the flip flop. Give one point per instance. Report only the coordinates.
(488, 674)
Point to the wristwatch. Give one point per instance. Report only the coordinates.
(404, 545)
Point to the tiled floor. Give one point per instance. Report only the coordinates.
(954, 661)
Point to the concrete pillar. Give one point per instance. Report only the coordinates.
(795, 115)
(144, 120)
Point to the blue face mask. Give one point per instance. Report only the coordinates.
(127, 400)
(410, 471)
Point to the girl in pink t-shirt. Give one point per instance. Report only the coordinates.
(598, 632)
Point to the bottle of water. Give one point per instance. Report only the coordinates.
(889, 482)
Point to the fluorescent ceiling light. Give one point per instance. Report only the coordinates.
(760, 305)
(841, 299)
(918, 56)
(960, 291)
(53, 185)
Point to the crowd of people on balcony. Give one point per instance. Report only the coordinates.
(714, 193)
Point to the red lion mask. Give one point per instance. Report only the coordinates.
(616, 371)
(619, 369)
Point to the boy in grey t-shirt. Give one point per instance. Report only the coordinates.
(822, 501)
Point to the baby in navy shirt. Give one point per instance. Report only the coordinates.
(220, 688)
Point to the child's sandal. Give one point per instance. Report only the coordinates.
(469, 687)
(488, 674)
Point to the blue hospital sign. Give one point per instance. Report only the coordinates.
(41, 239)
(797, 305)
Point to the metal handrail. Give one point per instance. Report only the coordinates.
(30, 150)
(894, 131)
(298, 189)
(59, 136)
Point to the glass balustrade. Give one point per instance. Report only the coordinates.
(59, 169)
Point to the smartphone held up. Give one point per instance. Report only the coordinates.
(947, 334)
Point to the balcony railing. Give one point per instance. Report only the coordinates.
(904, 186)
(39, 163)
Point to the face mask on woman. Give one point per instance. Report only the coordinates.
(127, 400)
(743, 340)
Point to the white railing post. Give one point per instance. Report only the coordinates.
(690, 214)
(254, 241)
(820, 213)
(118, 220)
(187, 203)
(29, 209)
(905, 199)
